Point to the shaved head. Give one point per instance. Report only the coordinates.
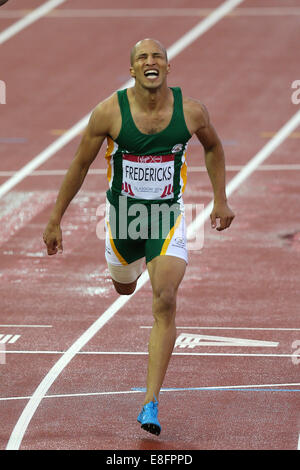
(140, 43)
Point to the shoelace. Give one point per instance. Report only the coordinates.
(150, 405)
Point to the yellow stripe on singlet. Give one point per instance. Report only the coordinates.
(183, 174)
(108, 155)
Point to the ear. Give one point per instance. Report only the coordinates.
(168, 68)
(132, 72)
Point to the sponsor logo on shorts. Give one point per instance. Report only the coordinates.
(179, 242)
(107, 249)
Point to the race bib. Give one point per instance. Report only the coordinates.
(148, 177)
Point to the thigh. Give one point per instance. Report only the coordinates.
(118, 250)
(166, 273)
(126, 274)
(172, 242)
(124, 277)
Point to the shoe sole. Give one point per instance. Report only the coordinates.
(152, 428)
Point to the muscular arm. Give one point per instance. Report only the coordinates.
(215, 164)
(92, 139)
(214, 157)
(86, 153)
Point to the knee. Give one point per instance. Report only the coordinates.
(164, 302)
(125, 289)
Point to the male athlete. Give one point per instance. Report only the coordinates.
(147, 128)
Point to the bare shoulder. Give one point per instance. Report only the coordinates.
(107, 106)
(195, 113)
(105, 116)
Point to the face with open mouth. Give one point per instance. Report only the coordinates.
(149, 64)
(152, 74)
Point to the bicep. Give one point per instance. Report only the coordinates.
(206, 132)
(91, 141)
(208, 137)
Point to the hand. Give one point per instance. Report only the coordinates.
(223, 212)
(53, 238)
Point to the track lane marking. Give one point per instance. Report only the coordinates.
(141, 390)
(155, 12)
(144, 353)
(191, 169)
(25, 326)
(29, 19)
(249, 168)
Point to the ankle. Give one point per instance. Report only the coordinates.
(150, 398)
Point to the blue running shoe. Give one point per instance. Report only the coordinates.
(148, 418)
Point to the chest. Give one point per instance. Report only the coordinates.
(152, 123)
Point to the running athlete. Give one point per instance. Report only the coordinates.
(147, 128)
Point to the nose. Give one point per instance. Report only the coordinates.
(150, 59)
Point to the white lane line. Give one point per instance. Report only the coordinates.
(298, 447)
(43, 156)
(267, 11)
(76, 395)
(25, 326)
(265, 152)
(173, 51)
(248, 169)
(193, 169)
(202, 27)
(145, 353)
(29, 410)
(155, 12)
(92, 394)
(29, 19)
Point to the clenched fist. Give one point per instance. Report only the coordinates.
(52, 237)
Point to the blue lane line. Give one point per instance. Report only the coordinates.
(141, 389)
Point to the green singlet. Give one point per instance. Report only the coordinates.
(147, 169)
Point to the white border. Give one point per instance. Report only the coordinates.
(27, 20)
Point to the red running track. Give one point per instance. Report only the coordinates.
(243, 284)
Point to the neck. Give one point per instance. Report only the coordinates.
(150, 99)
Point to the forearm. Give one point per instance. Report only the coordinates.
(92, 139)
(69, 188)
(215, 164)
